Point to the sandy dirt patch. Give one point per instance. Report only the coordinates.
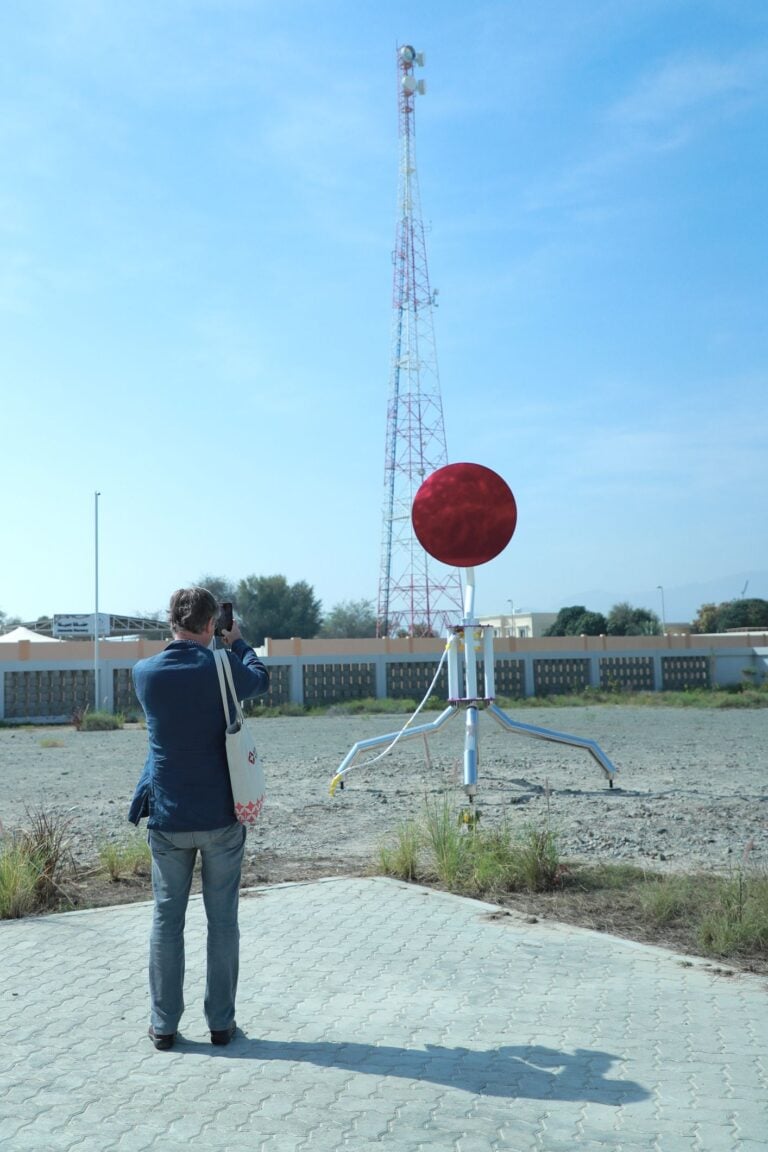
(692, 789)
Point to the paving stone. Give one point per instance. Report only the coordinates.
(377, 1013)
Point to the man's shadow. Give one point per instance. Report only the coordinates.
(524, 1071)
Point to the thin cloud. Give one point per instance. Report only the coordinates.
(696, 455)
(691, 90)
(671, 107)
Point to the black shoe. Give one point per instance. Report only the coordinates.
(162, 1043)
(224, 1035)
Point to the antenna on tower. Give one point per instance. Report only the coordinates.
(416, 596)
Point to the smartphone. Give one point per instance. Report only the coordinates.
(224, 622)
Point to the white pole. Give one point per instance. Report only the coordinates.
(663, 613)
(96, 601)
(469, 597)
(489, 672)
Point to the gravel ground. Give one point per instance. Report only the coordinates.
(691, 790)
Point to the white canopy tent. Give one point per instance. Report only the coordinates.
(22, 633)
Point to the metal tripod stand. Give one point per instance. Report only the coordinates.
(464, 643)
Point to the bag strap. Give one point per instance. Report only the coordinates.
(224, 671)
(222, 685)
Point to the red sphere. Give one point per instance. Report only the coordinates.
(464, 515)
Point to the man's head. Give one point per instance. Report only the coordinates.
(192, 610)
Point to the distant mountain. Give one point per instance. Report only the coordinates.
(681, 601)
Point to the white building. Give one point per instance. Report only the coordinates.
(519, 625)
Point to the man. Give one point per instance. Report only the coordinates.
(186, 796)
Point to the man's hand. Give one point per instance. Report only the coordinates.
(233, 634)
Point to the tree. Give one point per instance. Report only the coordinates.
(624, 620)
(592, 624)
(350, 618)
(219, 586)
(751, 613)
(7, 622)
(566, 618)
(577, 621)
(270, 606)
(706, 619)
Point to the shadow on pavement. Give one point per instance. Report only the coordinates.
(527, 1071)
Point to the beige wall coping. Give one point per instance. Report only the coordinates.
(129, 651)
(435, 644)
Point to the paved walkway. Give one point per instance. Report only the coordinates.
(378, 1014)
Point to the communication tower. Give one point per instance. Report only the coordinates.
(416, 594)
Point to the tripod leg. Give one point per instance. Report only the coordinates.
(557, 737)
(390, 739)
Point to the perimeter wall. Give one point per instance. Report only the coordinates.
(48, 682)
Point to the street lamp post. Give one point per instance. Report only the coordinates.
(96, 601)
(663, 613)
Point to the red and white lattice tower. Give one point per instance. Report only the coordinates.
(417, 595)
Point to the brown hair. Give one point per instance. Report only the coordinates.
(192, 608)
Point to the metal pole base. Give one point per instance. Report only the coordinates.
(470, 744)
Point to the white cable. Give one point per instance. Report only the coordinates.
(409, 721)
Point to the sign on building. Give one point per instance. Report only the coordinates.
(81, 624)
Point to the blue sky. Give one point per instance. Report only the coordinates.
(197, 216)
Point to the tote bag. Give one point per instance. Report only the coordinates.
(245, 771)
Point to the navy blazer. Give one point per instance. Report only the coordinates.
(185, 783)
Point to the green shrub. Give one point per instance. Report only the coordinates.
(538, 859)
(100, 722)
(126, 858)
(447, 843)
(46, 844)
(734, 696)
(30, 864)
(134, 716)
(18, 882)
(371, 706)
(494, 867)
(602, 877)
(363, 706)
(402, 858)
(670, 899)
(465, 858)
(736, 920)
(257, 708)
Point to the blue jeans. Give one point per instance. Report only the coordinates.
(173, 861)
